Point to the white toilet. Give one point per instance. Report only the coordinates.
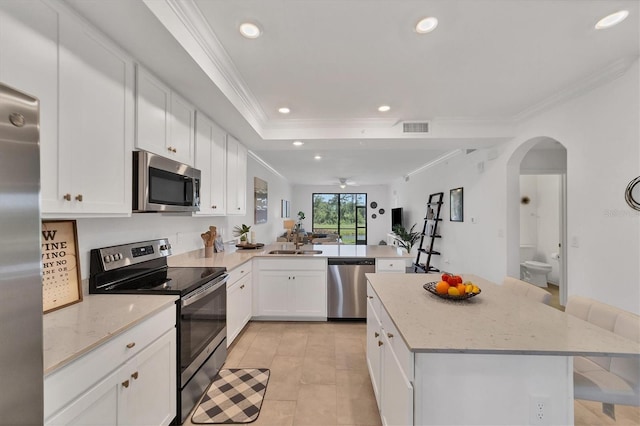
(531, 271)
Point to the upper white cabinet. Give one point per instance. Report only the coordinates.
(165, 122)
(236, 177)
(85, 84)
(211, 160)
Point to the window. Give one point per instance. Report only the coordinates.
(342, 214)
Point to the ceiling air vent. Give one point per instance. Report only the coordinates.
(415, 127)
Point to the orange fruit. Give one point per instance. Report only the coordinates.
(461, 288)
(453, 291)
(442, 287)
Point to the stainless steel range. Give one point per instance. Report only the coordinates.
(141, 268)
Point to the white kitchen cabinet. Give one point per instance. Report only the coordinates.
(390, 364)
(292, 289)
(165, 122)
(394, 265)
(374, 347)
(85, 85)
(130, 380)
(236, 177)
(239, 300)
(210, 159)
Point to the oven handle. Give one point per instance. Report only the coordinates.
(204, 291)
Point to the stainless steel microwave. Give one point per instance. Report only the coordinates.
(164, 185)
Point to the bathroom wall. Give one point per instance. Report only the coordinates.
(540, 219)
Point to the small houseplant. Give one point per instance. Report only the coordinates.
(406, 238)
(242, 232)
(301, 217)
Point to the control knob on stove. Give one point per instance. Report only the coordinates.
(165, 246)
(108, 258)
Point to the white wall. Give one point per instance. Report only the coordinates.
(528, 212)
(377, 229)
(600, 130)
(182, 230)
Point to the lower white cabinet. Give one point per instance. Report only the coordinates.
(390, 364)
(140, 390)
(239, 300)
(294, 289)
(394, 265)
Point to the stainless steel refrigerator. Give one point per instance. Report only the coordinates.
(21, 396)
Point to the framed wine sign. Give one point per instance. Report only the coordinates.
(61, 279)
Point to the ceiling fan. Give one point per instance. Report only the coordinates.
(344, 182)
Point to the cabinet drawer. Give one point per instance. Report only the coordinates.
(65, 384)
(375, 302)
(404, 355)
(293, 264)
(391, 265)
(238, 272)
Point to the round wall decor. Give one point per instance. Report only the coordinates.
(381, 211)
(373, 204)
(632, 194)
(373, 216)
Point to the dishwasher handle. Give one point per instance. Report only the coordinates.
(350, 261)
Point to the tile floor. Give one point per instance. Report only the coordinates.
(318, 372)
(319, 376)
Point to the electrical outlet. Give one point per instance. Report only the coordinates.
(539, 410)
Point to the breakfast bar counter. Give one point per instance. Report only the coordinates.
(495, 358)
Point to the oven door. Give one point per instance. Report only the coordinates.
(203, 325)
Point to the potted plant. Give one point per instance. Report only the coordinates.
(406, 238)
(301, 217)
(242, 232)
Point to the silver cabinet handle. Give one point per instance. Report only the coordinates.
(369, 297)
(135, 376)
(376, 334)
(130, 345)
(125, 383)
(389, 335)
(242, 286)
(380, 343)
(79, 197)
(66, 197)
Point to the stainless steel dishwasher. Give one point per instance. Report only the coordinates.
(347, 286)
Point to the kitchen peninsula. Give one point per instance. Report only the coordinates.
(494, 357)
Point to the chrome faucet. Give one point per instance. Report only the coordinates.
(296, 238)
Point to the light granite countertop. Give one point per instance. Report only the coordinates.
(493, 322)
(234, 258)
(72, 331)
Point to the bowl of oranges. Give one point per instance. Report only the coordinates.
(452, 287)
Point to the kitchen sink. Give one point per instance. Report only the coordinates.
(295, 252)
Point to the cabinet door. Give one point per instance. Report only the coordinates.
(181, 127)
(151, 397)
(374, 349)
(239, 307)
(96, 120)
(397, 391)
(273, 293)
(236, 177)
(309, 293)
(152, 113)
(210, 159)
(97, 406)
(29, 62)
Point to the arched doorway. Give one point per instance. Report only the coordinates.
(539, 159)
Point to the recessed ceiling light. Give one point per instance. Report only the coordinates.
(384, 108)
(611, 20)
(426, 25)
(250, 30)
(284, 110)
(298, 143)
(318, 157)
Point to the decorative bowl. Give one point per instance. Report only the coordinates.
(431, 288)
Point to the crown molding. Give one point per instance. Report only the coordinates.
(265, 164)
(609, 73)
(185, 22)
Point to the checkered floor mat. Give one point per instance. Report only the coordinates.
(235, 396)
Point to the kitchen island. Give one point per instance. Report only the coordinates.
(496, 358)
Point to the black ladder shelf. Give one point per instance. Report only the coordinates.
(429, 234)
